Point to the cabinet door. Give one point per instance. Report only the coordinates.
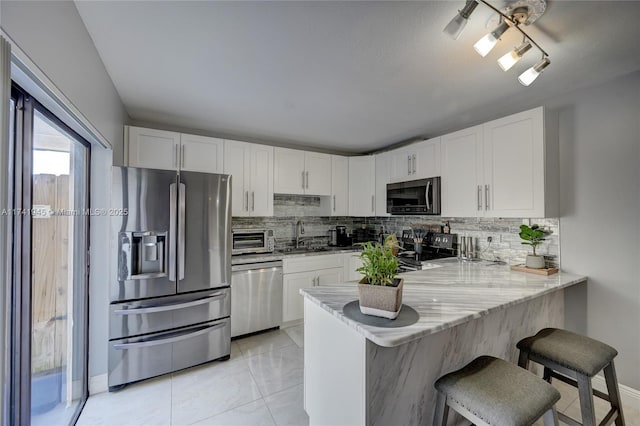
(289, 176)
(352, 262)
(201, 154)
(339, 186)
(261, 180)
(362, 180)
(330, 277)
(514, 165)
(426, 158)
(401, 165)
(236, 159)
(462, 173)
(383, 169)
(153, 149)
(317, 173)
(292, 304)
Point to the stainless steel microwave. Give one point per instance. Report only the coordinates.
(252, 241)
(418, 197)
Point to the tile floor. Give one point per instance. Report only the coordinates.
(260, 385)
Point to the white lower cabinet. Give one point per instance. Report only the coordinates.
(352, 262)
(307, 272)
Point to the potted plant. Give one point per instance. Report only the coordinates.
(379, 291)
(533, 236)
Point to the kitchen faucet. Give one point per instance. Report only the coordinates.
(299, 232)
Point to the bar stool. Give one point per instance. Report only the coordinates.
(563, 353)
(490, 391)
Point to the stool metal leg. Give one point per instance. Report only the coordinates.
(585, 394)
(523, 360)
(442, 411)
(613, 391)
(550, 418)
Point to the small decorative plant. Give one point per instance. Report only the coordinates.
(379, 265)
(532, 236)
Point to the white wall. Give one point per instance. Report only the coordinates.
(600, 214)
(53, 36)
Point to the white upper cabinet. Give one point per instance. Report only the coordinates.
(201, 154)
(383, 172)
(427, 158)
(251, 168)
(339, 185)
(160, 149)
(498, 169)
(462, 173)
(362, 186)
(153, 149)
(416, 161)
(302, 172)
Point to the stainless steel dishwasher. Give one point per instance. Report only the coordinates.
(256, 297)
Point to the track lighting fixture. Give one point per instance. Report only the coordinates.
(456, 25)
(516, 14)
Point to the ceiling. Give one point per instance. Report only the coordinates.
(353, 76)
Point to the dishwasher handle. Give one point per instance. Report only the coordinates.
(254, 266)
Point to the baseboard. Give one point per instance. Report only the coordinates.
(98, 384)
(625, 391)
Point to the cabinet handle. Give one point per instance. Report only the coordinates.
(334, 203)
(486, 197)
(175, 156)
(253, 201)
(307, 173)
(182, 157)
(303, 179)
(246, 197)
(479, 197)
(408, 164)
(373, 203)
(413, 160)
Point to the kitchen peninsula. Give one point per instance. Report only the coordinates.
(356, 374)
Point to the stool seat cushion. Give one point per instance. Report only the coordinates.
(573, 351)
(498, 392)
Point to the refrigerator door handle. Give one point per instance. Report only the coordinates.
(181, 228)
(173, 195)
(156, 342)
(171, 307)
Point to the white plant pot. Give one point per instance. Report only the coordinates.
(535, 262)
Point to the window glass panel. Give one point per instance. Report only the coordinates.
(58, 281)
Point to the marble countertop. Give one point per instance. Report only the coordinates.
(448, 294)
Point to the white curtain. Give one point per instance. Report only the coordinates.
(5, 263)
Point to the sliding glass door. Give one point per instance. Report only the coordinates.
(50, 289)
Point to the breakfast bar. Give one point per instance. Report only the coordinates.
(357, 374)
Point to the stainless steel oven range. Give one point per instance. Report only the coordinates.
(170, 294)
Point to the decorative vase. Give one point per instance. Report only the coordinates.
(535, 262)
(380, 300)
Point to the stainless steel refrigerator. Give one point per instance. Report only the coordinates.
(170, 297)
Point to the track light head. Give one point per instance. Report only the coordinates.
(456, 25)
(530, 75)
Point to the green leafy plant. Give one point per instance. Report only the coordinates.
(379, 265)
(532, 236)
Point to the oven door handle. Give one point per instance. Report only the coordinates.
(164, 341)
(170, 307)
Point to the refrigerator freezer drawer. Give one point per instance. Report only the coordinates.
(164, 313)
(147, 356)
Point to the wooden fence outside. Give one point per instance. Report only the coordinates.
(51, 277)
